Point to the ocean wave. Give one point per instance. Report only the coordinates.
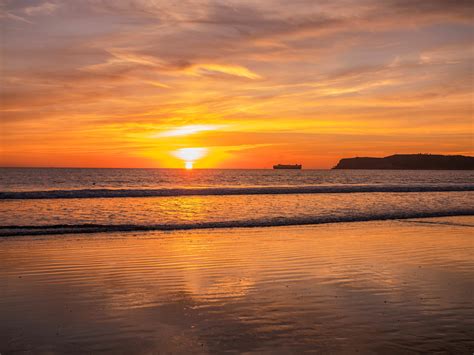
(222, 191)
(10, 231)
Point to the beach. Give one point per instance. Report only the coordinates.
(403, 286)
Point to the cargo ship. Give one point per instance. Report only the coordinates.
(286, 166)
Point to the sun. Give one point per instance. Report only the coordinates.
(190, 155)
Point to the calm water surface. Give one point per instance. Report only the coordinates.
(35, 179)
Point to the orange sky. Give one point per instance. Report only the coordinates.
(233, 84)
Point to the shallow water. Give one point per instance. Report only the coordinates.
(192, 212)
(56, 201)
(371, 287)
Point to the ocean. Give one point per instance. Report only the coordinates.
(143, 261)
(41, 201)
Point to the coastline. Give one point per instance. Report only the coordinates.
(399, 285)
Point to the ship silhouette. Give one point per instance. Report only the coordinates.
(287, 166)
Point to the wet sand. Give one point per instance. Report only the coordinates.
(370, 287)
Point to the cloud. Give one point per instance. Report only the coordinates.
(234, 70)
(187, 130)
(123, 59)
(462, 9)
(10, 16)
(45, 8)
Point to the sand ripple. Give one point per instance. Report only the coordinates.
(399, 286)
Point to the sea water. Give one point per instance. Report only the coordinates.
(57, 201)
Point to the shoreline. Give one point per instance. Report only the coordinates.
(45, 230)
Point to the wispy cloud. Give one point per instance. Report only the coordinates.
(189, 129)
(45, 8)
(10, 16)
(212, 69)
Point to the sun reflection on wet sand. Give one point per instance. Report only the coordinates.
(376, 286)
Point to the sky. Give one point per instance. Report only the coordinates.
(233, 83)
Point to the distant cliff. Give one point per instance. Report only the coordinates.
(410, 162)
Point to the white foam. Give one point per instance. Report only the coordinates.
(9, 231)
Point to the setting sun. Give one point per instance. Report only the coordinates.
(190, 155)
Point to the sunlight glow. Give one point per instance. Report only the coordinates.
(190, 129)
(190, 155)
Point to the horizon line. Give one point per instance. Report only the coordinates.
(79, 167)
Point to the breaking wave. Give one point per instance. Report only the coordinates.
(213, 191)
(9, 231)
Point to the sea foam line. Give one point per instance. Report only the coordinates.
(10, 231)
(222, 191)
